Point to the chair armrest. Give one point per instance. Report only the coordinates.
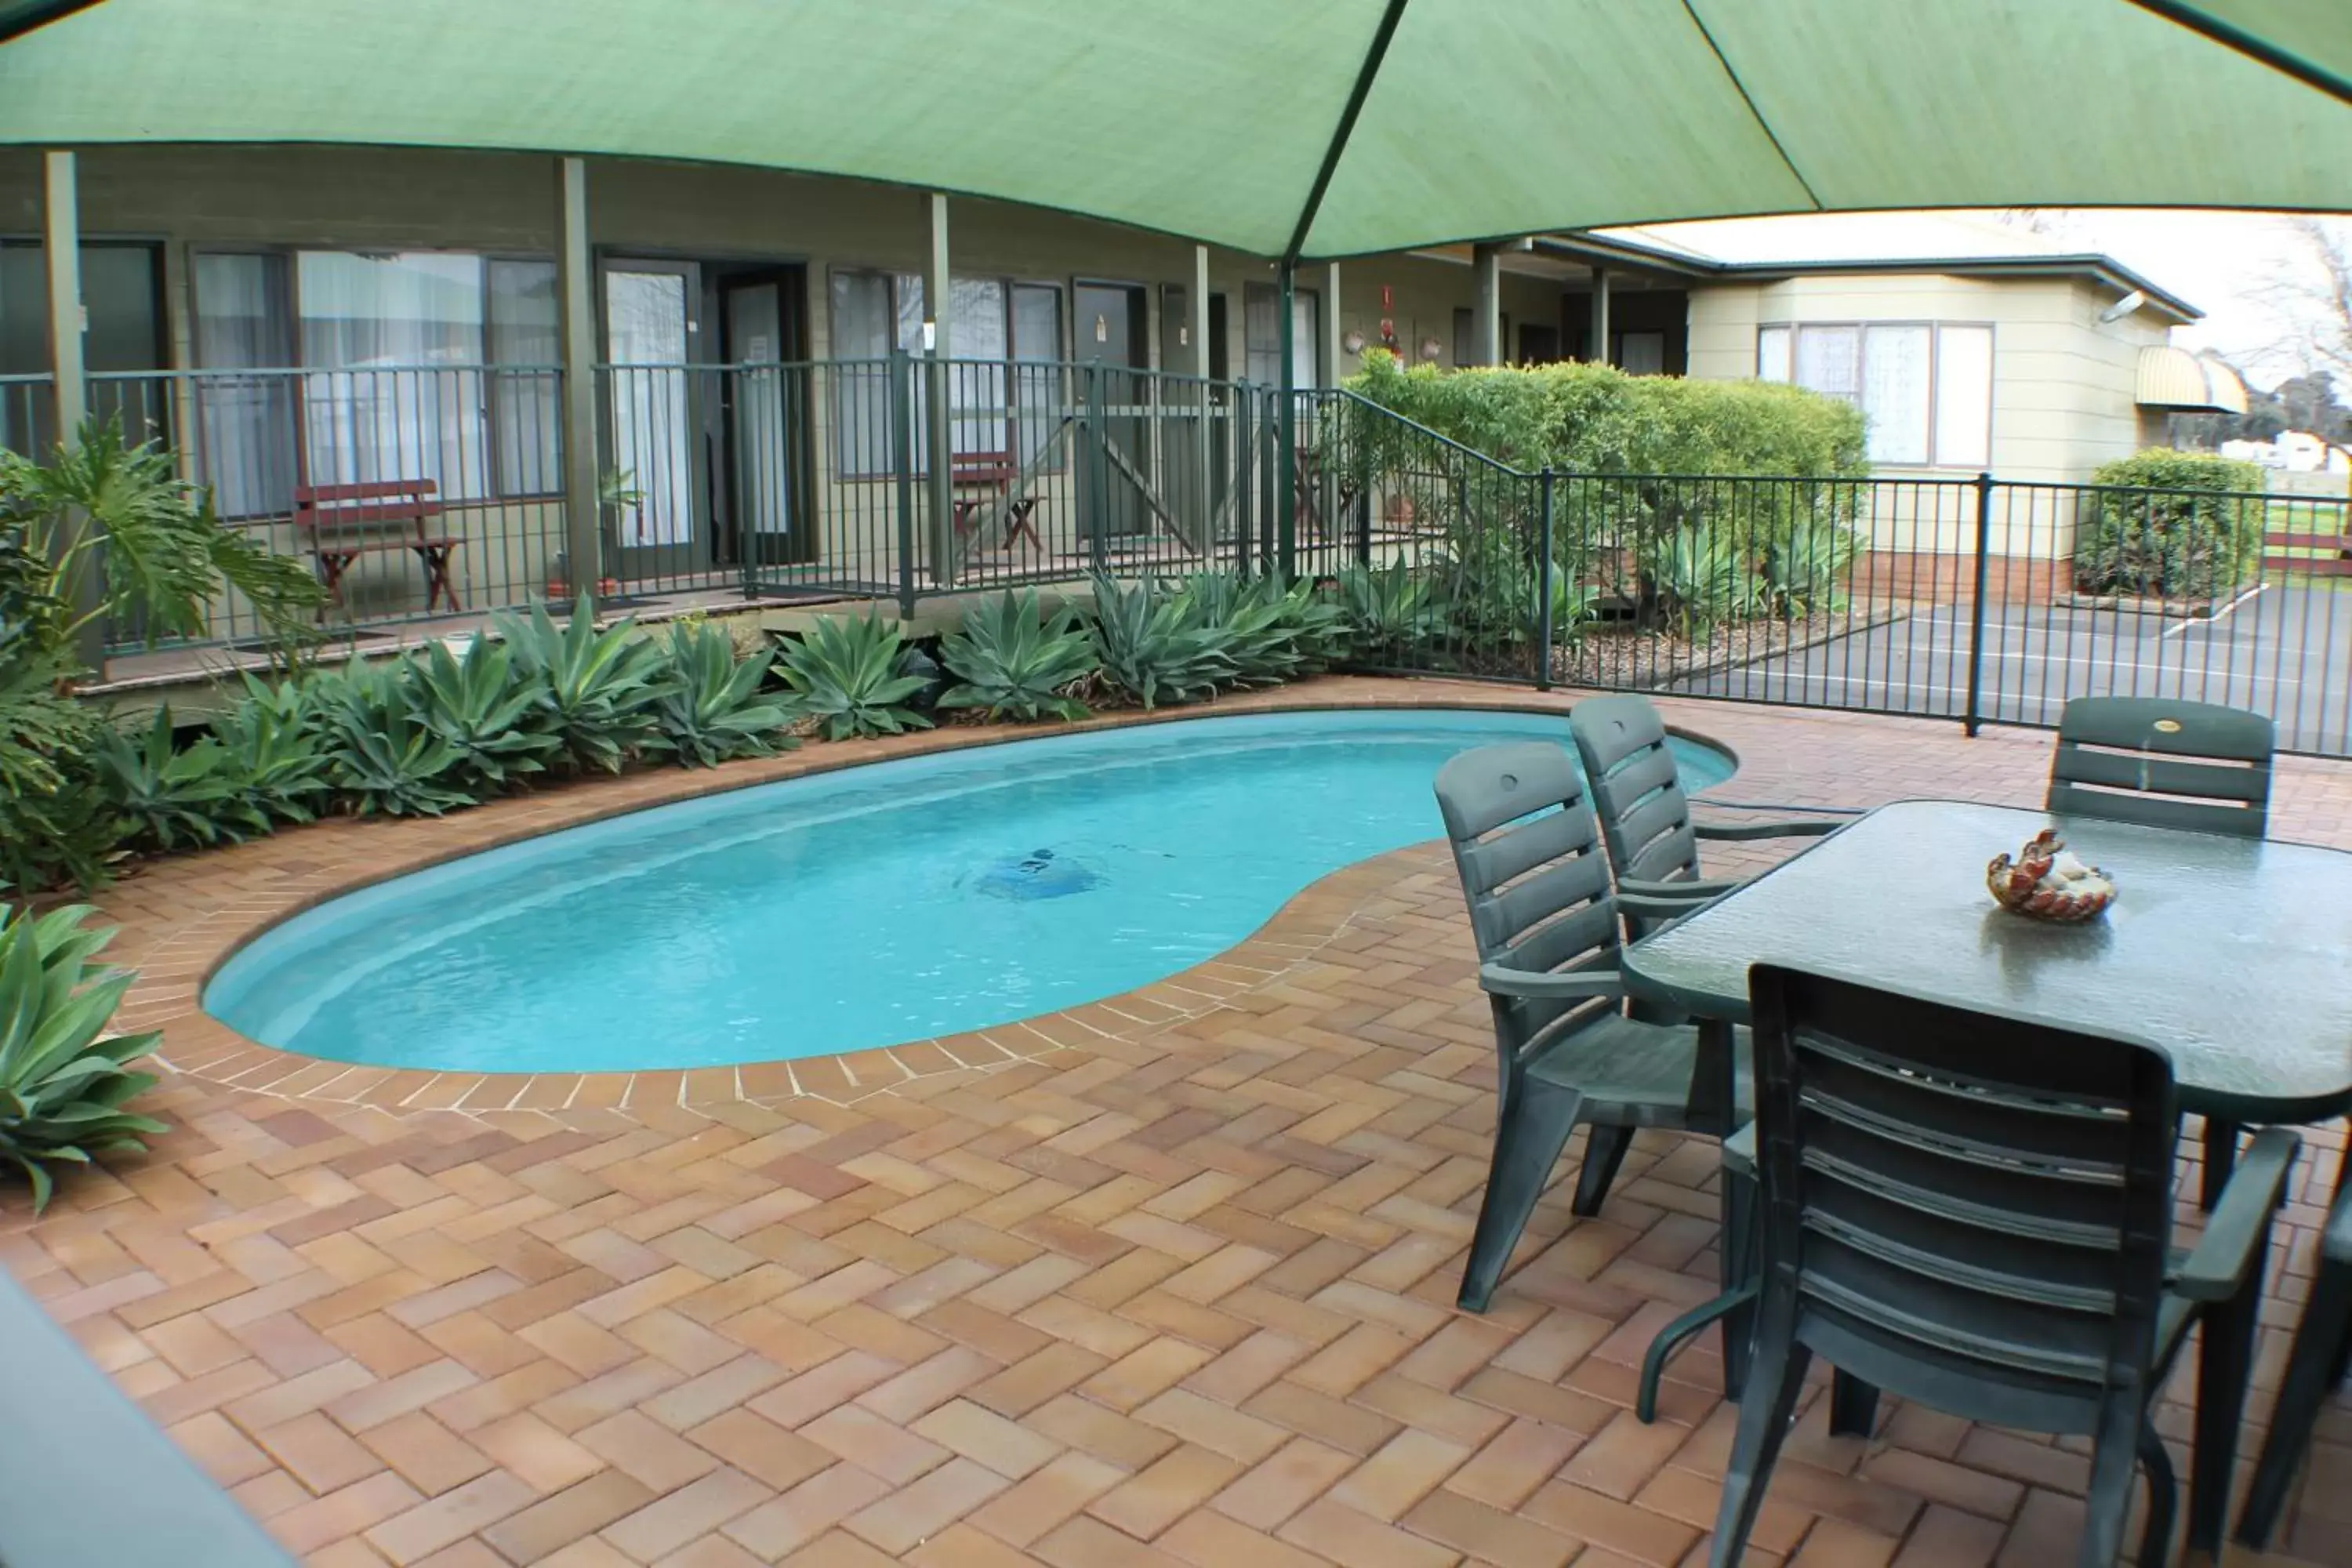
(1790, 827)
(1502, 979)
(1690, 891)
(2238, 1230)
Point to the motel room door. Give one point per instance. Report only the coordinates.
(1110, 322)
(766, 416)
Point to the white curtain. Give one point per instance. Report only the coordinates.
(1896, 395)
(977, 331)
(1964, 397)
(1037, 350)
(525, 383)
(1772, 353)
(245, 422)
(1828, 359)
(396, 346)
(645, 316)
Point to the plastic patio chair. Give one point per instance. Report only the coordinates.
(2196, 766)
(1972, 1211)
(1646, 818)
(2315, 1369)
(1527, 849)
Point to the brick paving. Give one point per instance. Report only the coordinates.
(1164, 1281)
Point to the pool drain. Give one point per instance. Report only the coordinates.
(1040, 874)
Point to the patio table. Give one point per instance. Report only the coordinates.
(2232, 955)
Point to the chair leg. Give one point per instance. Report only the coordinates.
(2221, 1158)
(1604, 1151)
(2319, 1344)
(2155, 1537)
(1853, 1406)
(2224, 1361)
(1527, 1147)
(1738, 1265)
(1764, 1418)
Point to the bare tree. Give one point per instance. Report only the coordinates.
(2312, 291)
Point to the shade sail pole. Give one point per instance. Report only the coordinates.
(1286, 416)
(2311, 73)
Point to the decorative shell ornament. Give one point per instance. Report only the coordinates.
(2048, 884)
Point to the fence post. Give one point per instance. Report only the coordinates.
(902, 460)
(1098, 471)
(1971, 720)
(1544, 570)
(1238, 423)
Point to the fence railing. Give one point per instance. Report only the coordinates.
(1969, 598)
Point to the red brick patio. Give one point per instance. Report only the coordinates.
(1168, 1279)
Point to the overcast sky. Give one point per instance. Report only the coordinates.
(2242, 270)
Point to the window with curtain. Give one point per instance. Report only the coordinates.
(1004, 345)
(1926, 387)
(416, 365)
(1262, 334)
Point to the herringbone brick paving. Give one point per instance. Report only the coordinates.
(1163, 1282)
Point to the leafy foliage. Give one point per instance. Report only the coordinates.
(1272, 634)
(1808, 571)
(1701, 577)
(595, 690)
(383, 759)
(849, 672)
(176, 798)
(2175, 525)
(489, 714)
(711, 708)
(63, 1080)
(1391, 612)
(1154, 647)
(1014, 662)
(271, 736)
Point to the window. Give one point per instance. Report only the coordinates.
(1261, 335)
(1926, 387)
(1004, 383)
(1642, 354)
(416, 366)
(123, 335)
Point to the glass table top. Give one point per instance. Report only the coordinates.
(2234, 956)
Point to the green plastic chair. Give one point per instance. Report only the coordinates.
(1646, 818)
(1548, 932)
(2315, 1369)
(1972, 1211)
(2196, 766)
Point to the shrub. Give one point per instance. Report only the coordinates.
(1809, 569)
(487, 711)
(381, 758)
(2167, 524)
(595, 690)
(1700, 578)
(1271, 634)
(272, 734)
(1012, 662)
(711, 708)
(63, 1080)
(173, 797)
(1391, 612)
(850, 673)
(1154, 648)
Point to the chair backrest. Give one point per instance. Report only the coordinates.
(1527, 850)
(1646, 818)
(336, 514)
(1972, 1209)
(2196, 765)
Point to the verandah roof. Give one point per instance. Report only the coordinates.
(1215, 120)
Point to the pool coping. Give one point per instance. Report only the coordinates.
(176, 965)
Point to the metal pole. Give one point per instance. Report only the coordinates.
(1197, 306)
(1543, 586)
(1286, 500)
(1971, 720)
(1600, 346)
(61, 248)
(902, 461)
(1486, 318)
(583, 527)
(1098, 470)
(1244, 434)
(937, 301)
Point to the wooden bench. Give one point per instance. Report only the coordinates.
(2336, 563)
(344, 522)
(978, 479)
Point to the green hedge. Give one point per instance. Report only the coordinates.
(2177, 525)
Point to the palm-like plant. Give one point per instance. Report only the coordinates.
(596, 690)
(848, 672)
(1014, 663)
(711, 708)
(63, 1079)
(483, 708)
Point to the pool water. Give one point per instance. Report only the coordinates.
(868, 907)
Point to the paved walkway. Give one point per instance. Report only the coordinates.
(1167, 1280)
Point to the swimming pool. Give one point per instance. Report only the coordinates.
(870, 906)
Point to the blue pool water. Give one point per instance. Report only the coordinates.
(867, 907)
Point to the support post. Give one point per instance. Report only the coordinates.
(583, 524)
(69, 381)
(1487, 319)
(1544, 570)
(1600, 354)
(902, 462)
(1285, 478)
(939, 431)
(1197, 322)
(1971, 720)
(1098, 473)
(1331, 377)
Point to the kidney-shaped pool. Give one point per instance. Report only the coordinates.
(866, 907)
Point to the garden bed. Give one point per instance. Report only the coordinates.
(1621, 655)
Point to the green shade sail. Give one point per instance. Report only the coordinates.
(1219, 120)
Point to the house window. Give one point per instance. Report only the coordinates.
(123, 335)
(1642, 354)
(1924, 387)
(1005, 379)
(1261, 335)
(416, 366)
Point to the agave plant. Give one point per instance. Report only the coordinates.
(596, 690)
(1012, 662)
(849, 671)
(1275, 634)
(63, 1079)
(1701, 577)
(711, 708)
(381, 758)
(1154, 648)
(1808, 571)
(272, 738)
(1391, 611)
(176, 798)
(487, 711)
